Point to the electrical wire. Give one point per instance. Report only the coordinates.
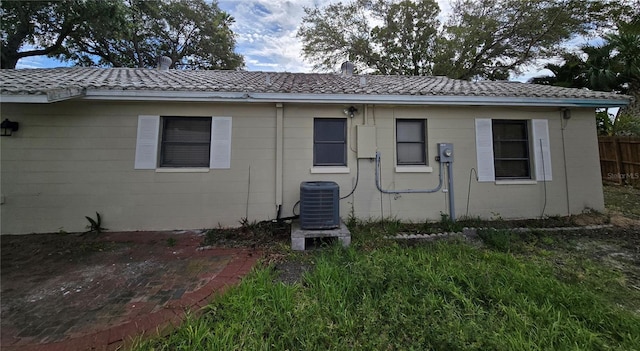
(357, 178)
(293, 210)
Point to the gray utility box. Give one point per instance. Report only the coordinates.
(319, 205)
(445, 151)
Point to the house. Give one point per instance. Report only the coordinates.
(167, 149)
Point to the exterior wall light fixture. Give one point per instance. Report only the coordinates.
(8, 127)
(350, 111)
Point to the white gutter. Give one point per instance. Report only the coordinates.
(49, 96)
(26, 99)
(205, 96)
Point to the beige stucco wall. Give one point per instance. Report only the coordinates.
(71, 159)
(451, 125)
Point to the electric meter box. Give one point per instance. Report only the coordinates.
(366, 141)
(445, 151)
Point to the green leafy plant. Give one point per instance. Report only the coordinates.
(171, 242)
(95, 225)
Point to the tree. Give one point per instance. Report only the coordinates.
(406, 38)
(613, 66)
(403, 42)
(490, 39)
(195, 34)
(486, 39)
(35, 28)
(570, 74)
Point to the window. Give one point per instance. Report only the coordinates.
(183, 143)
(186, 142)
(329, 142)
(511, 149)
(410, 142)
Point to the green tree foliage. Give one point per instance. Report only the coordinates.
(570, 74)
(195, 34)
(491, 38)
(402, 43)
(486, 39)
(34, 28)
(613, 66)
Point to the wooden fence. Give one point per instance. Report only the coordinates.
(620, 159)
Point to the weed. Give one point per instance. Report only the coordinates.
(499, 239)
(470, 299)
(448, 225)
(95, 225)
(352, 221)
(248, 226)
(171, 242)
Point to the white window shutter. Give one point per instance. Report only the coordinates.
(147, 142)
(484, 150)
(541, 149)
(220, 156)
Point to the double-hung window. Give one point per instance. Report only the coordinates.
(511, 149)
(411, 142)
(186, 142)
(329, 142)
(179, 143)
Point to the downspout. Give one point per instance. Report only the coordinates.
(564, 156)
(279, 156)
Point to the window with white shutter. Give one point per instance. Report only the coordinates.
(183, 142)
(513, 149)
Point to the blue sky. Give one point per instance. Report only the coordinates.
(266, 36)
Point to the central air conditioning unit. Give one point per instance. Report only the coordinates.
(319, 205)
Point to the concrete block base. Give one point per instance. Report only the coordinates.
(299, 236)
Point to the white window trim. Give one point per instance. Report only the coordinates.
(346, 145)
(329, 170)
(413, 169)
(417, 168)
(182, 170)
(516, 182)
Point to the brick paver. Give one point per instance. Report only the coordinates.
(150, 298)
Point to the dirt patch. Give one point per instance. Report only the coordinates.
(619, 220)
(56, 287)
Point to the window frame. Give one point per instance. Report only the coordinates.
(163, 144)
(319, 143)
(423, 143)
(525, 142)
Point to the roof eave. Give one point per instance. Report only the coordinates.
(24, 99)
(207, 96)
(43, 97)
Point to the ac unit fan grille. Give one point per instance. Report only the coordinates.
(319, 205)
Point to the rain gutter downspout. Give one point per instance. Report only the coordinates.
(279, 154)
(563, 125)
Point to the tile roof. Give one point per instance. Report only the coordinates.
(72, 81)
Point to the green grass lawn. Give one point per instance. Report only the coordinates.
(507, 293)
(624, 199)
